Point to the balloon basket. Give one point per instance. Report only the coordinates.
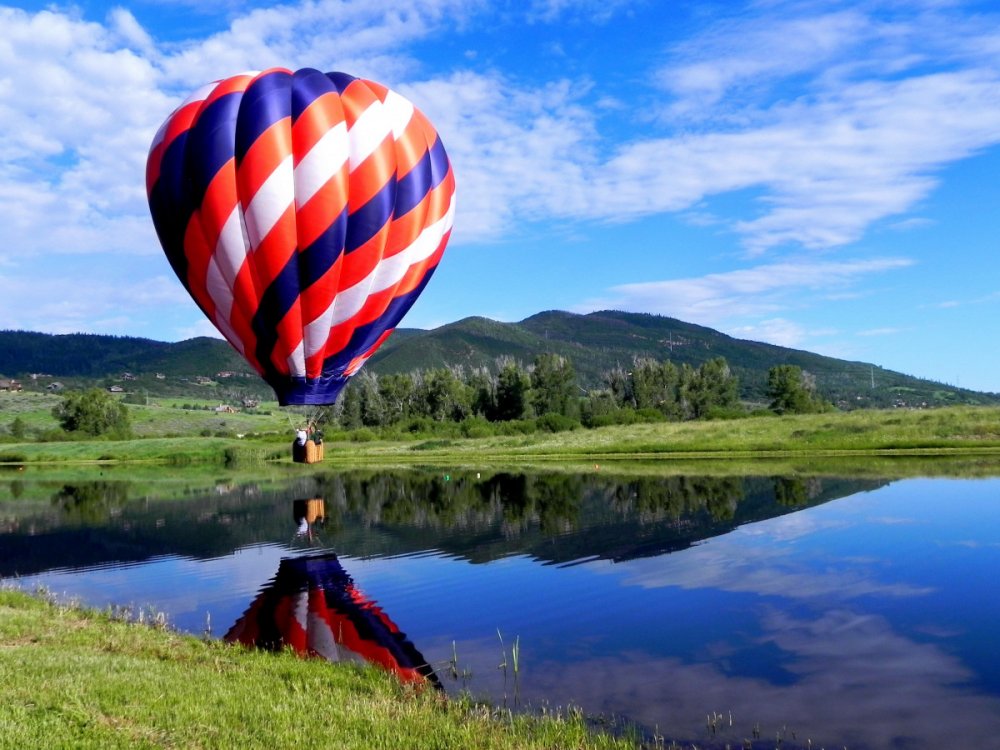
(310, 453)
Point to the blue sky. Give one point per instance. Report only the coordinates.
(821, 175)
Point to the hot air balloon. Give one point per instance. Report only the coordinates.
(313, 607)
(304, 212)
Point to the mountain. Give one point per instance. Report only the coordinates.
(595, 343)
(600, 341)
(93, 355)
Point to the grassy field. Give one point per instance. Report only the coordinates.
(73, 678)
(166, 431)
(160, 417)
(951, 430)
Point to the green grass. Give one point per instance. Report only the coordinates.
(160, 417)
(948, 431)
(164, 417)
(871, 432)
(75, 678)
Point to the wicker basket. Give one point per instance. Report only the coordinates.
(310, 453)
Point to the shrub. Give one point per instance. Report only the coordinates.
(649, 414)
(725, 412)
(516, 427)
(475, 427)
(93, 412)
(553, 422)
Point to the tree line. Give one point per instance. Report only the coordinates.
(548, 393)
(545, 395)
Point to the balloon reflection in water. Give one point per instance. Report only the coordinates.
(313, 607)
(309, 514)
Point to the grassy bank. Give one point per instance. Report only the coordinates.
(951, 431)
(74, 678)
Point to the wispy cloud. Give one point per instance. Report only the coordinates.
(834, 120)
(61, 304)
(865, 117)
(885, 331)
(758, 291)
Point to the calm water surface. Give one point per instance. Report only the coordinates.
(858, 613)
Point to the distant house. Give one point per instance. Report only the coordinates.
(10, 385)
(250, 403)
(160, 376)
(116, 389)
(202, 380)
(225, 409)
(128, 376)
(55, 386)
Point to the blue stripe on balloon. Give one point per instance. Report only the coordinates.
(340, 80)
(439, 162)
(275, 302)
(171, 208)
(364, 337)
(306, 391)
(365, 223)
(319, 257)
(210, 143)
(413, 188)
(308, 85)
(266, 101)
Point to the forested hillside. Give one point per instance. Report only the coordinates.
(595, 344)
(600, 342)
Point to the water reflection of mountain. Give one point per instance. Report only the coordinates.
(556, 517)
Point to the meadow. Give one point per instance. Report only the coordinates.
(181, 432)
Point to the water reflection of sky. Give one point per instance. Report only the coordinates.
(868, 621)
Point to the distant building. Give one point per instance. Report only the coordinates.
(116, 389)
(225, 409)
(10, 385)
(54, 386)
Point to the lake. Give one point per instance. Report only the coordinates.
(824, 611)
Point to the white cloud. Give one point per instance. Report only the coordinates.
(836, 121)
(839, 119)
(710, 67)
(757, 291)
(884, 331)
(201, 328)
(62, 304)
(597, 11)
(82, 100)
(371, 39)
(828, 168)
(77, 109)
(773, 331)
(517, 155)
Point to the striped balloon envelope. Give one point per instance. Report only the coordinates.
(304, 212)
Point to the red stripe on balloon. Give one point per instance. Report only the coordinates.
(196, 247)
